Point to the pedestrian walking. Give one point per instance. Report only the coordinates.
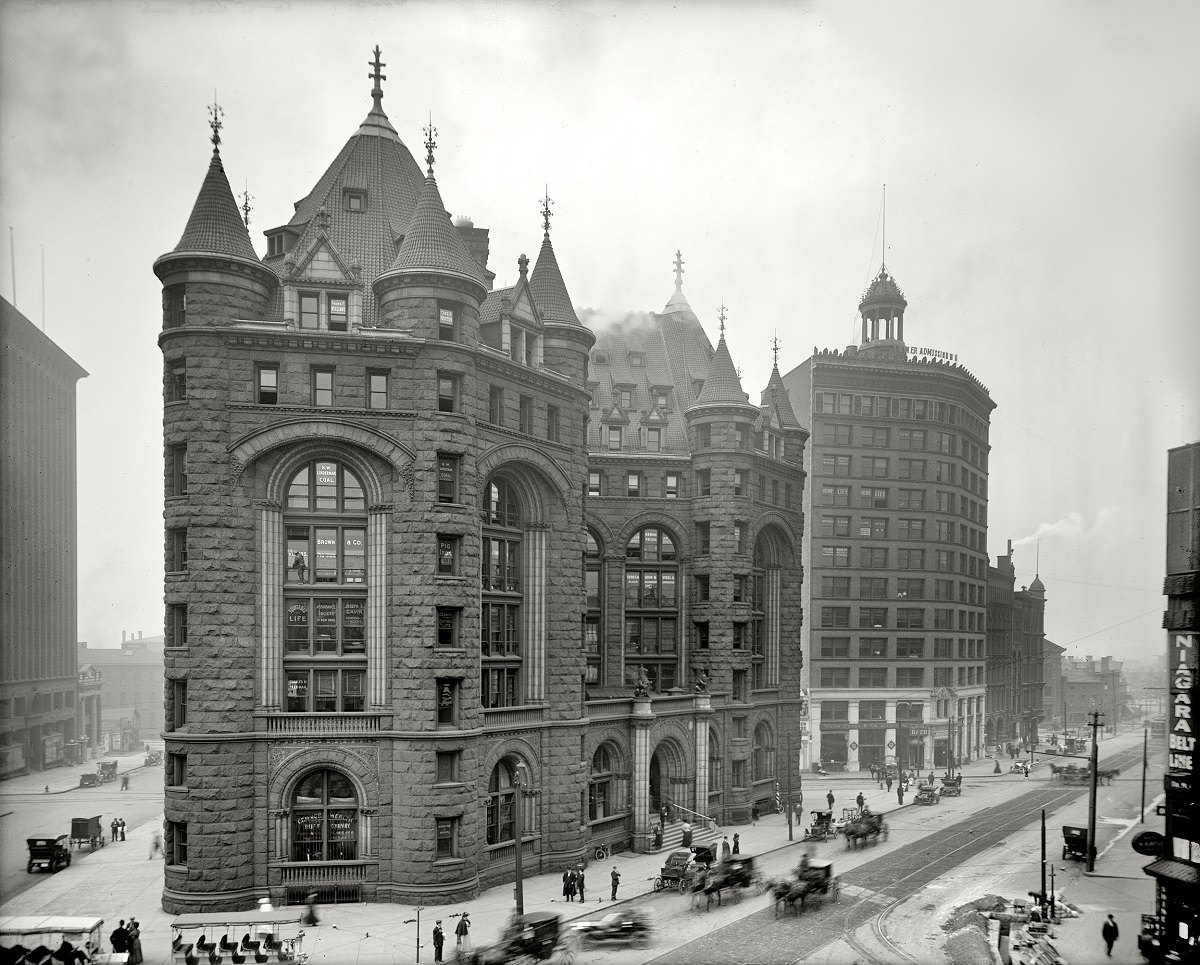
(662, 816)
(579, 885)
(567, 885)
(737, 844)
(156, 847)
(134, 931)
(310, 912)
(615, 875)
(687, 835)
(462, 933)
(1110, 932)
(859, 800)
(439, 939)
(900, 793)
(124, 782)
(829, 799)
(114, 830)
(121, 827)
(726, 849)
(888, 782)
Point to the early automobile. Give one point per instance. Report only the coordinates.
(1074, 842)
(626, 926)
(87, 831)
(928, 794)
(107, 771)
(48, 854)
(89, 780)
(153, 758)
(536, 937)
(821, 827)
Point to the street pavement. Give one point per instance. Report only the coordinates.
(121, 881)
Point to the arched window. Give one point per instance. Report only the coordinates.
(652, 607)
(601, 802)
(593, 618)
(324, 818)
(500, 621)
(762, 754)
(503, 794)
(325, 593)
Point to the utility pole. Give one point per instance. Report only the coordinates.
(789, 785)
(1043, 892)
(1091, 829)
(1145, 738)
(519, 834)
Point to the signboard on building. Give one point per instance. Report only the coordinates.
(1181, 733)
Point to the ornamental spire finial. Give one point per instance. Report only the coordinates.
(547, 214)
(721, 316)
(678, 270)
(377, 75)
(215, 113)
(775, 349)
(430, 144)
(246, 209)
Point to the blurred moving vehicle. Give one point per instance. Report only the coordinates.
(626, 926)
(534, 937)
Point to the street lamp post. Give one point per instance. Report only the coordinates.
(519, 781)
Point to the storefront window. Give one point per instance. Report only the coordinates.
(324, 818)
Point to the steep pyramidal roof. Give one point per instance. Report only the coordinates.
(431, 242)
(215, 225)
(722, 384)
(776, 398)
(549, 289)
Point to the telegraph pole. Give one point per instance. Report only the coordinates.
(1091, 829)
(1145, 738)
(789, 785)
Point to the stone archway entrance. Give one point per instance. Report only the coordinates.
(668, 779)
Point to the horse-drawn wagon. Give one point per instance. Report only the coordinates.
(87, 831)
(731, 876)
(867, 829)
(1074, 842)
(812, 880)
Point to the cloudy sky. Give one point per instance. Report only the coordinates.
(1039, 159)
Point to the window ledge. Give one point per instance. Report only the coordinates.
(449, 862)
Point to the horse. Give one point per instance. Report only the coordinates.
(789, 893)
(1107, 776)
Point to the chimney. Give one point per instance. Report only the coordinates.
(122, 636)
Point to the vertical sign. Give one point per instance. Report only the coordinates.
(1181, 739)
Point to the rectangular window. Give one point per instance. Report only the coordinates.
(525, 414)
(910, 529)
(702, 539)
(835, 525)
(739, 482)
(700, 634)
(873, 557)
(177, 842)
(447, 555)
(177, 560)
(339, 314)
(177, 625)
(910, 676)
(614, 437)
(874, 437)
(836, 435)
(447, 766)
(835, 555)
(310, 310)
(322, 386)
(633, 484)
(875, 466)
(912, 469)
(179, 704)
(448, 391)
(872, 647)
(377, 390)
(702, 588)
(174, 307)
(177, 381)
(874, 527)
(703, 482)
(910, 618)
(872, 677)
(447, 468)
(448, 619)
(910, 559)
(447, 324)
(553, 423)
(836, 587)
(177, 468)
(835, 617)
(910, 647)
(496, 405)
(595, 483)
(834, 465)
(910, 589)
(267, 385)
(741, 692)
(873, 617)
(446, 833)
(871, 498)
(703, 436)
(653, 439)
(835, 495)
(671, 485)
(837, 678)
(834, 647)
(943, 619)
(873, 587)
(911, 499)
(446, 694)
(176, 770)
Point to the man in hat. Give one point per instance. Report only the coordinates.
(616, 881)
(438, 939)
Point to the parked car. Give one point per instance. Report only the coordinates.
(154, 758)
(107, 771)
(49, 853)
(89, 780)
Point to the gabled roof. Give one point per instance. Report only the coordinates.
(775, 398)
(723, 384)
(549, 289)
(432, 244)
(215, 225)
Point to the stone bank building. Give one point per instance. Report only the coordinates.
(446, 572)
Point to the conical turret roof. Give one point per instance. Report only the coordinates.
(432, 244)
(722, 384)
(216, 226)
(548, 288)
(776, 398)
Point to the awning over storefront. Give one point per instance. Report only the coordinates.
(1174, 870)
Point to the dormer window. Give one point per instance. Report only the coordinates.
(637, 358)
(602, 358)
(355, 199)
(328, 311)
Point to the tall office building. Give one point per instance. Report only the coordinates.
(40, 720)
(896, 583)
(1016, 657)
(407, 633)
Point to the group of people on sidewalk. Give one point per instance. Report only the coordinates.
(462, 936)
(118, 829)
(127, 938)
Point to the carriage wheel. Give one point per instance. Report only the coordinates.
(683, 886)
(659, 884)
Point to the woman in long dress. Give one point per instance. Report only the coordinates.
(135, 943)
